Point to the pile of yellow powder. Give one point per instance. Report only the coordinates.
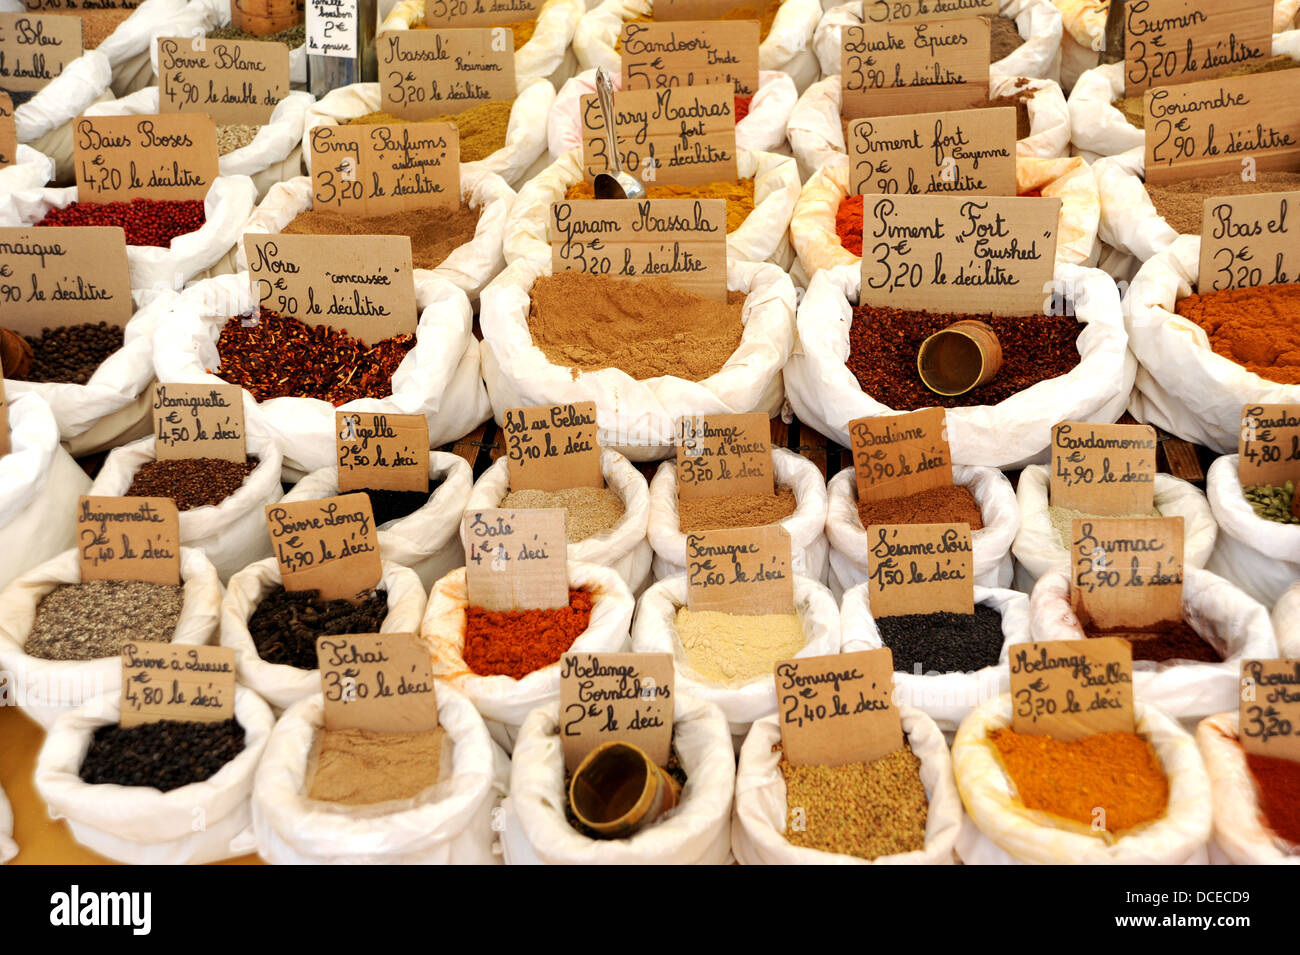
(734, 648)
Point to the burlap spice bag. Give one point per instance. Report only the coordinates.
(1286, 622)
(204, 17)
(1234, 625)
(697, 832)
(542, 46)
(1260, 556)
(947, 698)
(438, 378)
(464, 248)
(762, 129)
(190, 825)
(850, 554)
(806, 523)
(448, 823)
(1000, 830)
(622, 547)
(785, 43)
(826, 395)
(760, 817)
(516, 152)
(760, 237)
(637, 416)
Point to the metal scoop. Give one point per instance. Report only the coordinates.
(616, 184)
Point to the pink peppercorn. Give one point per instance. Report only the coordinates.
(146, 221)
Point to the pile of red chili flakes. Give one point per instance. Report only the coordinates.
(517, 642)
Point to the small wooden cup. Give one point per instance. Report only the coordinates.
(618, 789)
(962, 356)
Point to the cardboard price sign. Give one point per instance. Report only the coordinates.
(377, 170)
(516, 559)
(550, 447)
(1178, 41)
(169, 156)
(920, 568)
(660, 55)
(8, 132)
(382, 451)
(901, 11)
(50, 5)
(616, 696)
(331, 28)
(683, 136)
(168, 681)
(233, 81)
(328, 545)
(929, 153)
(1106, 469)
(838, 709)
(1127, 574)
(425, 73)
(1241, 125)
(6, 444)
(360, 283)
(958, 255)
(480, 13)
(724, 454)
(198, 421)
(1268, 446)
(382, 682)
(890, 69)
(743, 570)
(1247, 241)
(34, 49)
(63, 275)
(641, 238)
(1269, 717)
(1069, 689)
(129, 538)
(899, 455)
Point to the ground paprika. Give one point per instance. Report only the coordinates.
(514, 643)
(1277, 786)
(1257, 327)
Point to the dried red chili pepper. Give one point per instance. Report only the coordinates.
(1277, 786)
(146, 221)
(517, 642)
(742, 106)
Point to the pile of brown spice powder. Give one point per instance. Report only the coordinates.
(1181, 203)
(951, 504)
(1004, 38)
(434, 234)
(1133, 107)
(736, 510)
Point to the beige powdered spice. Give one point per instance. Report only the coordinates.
(590, 509)
(1063, 519)
(1181, 203)
(434, 234)
(737, 510)
(734, 648)
(1004, 38)
(358, 767)
(646, 328)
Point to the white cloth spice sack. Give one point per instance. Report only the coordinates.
(191, 825)
(1229, 620)
(8, 848)
(655, 631)
(761, 815)
(1038, 548)
(787, 48)
(762, 129)
(760, 238)
(450, 823)
(826, 395)
(1183, 386)
(947, 698)
(30, 169)
(1001, 831)
(503, 700)
(522, 156)
(39, 487)
(424, 540)
(438, 378)
(817, 135)
(273, 154)
(850, 554)
(697, 832)
(638, 418)
(623, 548)
(548, 54)
(806, 526)
(113, 406)
(469, 267)
(231, 534)
(228, 203)
(201, 17)
(1240, 832)
(282, 685)
(47, 688)
(45, 122)
(1260, 556)
(1286, 622)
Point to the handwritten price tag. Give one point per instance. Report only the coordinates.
(903, 11)
(1247, 241)
(480, 13)
(1069, 689)
(1269, 718)
(1127, 574)
(328, 545)
(838, 709)
(382, 682)
(898, 455)
(382, 451)
(616, 696)
(233, 81)
(1268, 447)
(889, 69)
(920, 568)
(1106, 469)
(662, 55)
(724, 454)
(516, 559)
(35, 49)
(424, 73)
(57, 273)
(129, 538)
(198, 421)
(1177, 41)
(744, 571)
(550, 447)
(930, 153)
(167, 157)
(8, 132)
(165, 681)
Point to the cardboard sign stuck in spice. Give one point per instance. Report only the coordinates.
(382, 682)
(970, 150)
(59, 272)
(899, 455)
(745, 570)
(167, 681)
(1268, 445)
(892, 11)
(516, 559)
(168, 156)
(724, 454)
(129, 538)
(424, 73)
(233, 81)
(198, 421)
(659, 55)
(920, 568)
(382, 451)
(838, 709)
(674, 10)
(328, 545)
(626, 697)
(8, 132)
(1248, 241)
(376, 170)
(551, 447)
(1069, 689)
(479, 13)
(1177, 41)
(1104, 469)
(1127, 574)
(1269, 717)
(889, 69)
(34, 49)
